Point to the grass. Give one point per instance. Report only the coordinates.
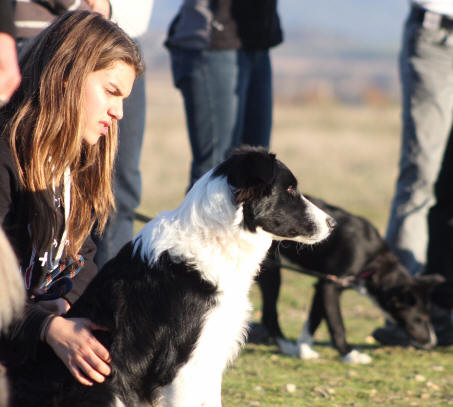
(397, 376)
(347, 156)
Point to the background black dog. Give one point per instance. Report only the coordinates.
(356, 256)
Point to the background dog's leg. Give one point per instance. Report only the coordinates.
(317, 314)
(269, 281)
(331, 297)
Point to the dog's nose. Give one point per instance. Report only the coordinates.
(331, 223)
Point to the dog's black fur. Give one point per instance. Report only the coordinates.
(143, 310)
(356, 251)
(157, 311)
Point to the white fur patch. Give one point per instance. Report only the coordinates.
(305, 345)
(303, 349)
(357, 357)
(118, 403)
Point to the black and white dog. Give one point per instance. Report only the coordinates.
(354, 255)
(175, 300)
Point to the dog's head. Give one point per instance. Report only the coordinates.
(267, 191)
(407, 300)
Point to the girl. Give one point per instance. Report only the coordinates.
(57, 148)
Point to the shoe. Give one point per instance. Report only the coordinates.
(391, 335)
(443, 325)
(444, 336)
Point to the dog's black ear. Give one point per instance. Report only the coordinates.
(248, 167)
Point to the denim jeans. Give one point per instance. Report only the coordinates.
(127, 179)
(228, 101)
(426, 69)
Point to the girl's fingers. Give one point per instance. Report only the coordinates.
(76, 372)
(97, 346)
(97, 363)
(89, 371)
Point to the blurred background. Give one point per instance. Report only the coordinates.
(336, 104)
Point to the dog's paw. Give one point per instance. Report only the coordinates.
(357, 357)
(287, 347)
(306, 352)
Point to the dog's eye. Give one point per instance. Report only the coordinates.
(292, 191)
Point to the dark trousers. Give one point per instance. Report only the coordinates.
(227, 99)
(440, 230)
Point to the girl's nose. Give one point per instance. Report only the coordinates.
(116, 110)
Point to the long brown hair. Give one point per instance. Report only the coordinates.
(44, 124)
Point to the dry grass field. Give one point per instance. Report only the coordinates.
(347, 156)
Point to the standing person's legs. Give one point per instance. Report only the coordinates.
(440, 220)
(258, 107)
(427, 81)
(127, 178)
(254, 120)
(440, 248)
(208, 82)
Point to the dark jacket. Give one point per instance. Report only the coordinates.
(15, 218)
(258, 23)
(31, 17)
(251, 25)
(6, 17)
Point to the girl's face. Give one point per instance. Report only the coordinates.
(103, 95)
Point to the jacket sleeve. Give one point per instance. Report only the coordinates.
(59, 7)
(6, 17)
(23, 334)
(83, 278)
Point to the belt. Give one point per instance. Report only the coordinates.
(431, 20)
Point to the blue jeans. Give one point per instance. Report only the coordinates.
(426, 69)
(228, 101)
(127, 178)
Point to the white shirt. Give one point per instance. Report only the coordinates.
(132, 15)
(444, 7)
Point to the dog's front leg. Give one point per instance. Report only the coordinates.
(317, 313)
(331, 302)
(331, 298)
(193, 388)
(269, 281)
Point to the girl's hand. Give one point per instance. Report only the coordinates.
(72, 341)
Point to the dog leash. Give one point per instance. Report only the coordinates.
(345, 282)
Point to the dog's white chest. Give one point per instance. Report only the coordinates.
(198, 382)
